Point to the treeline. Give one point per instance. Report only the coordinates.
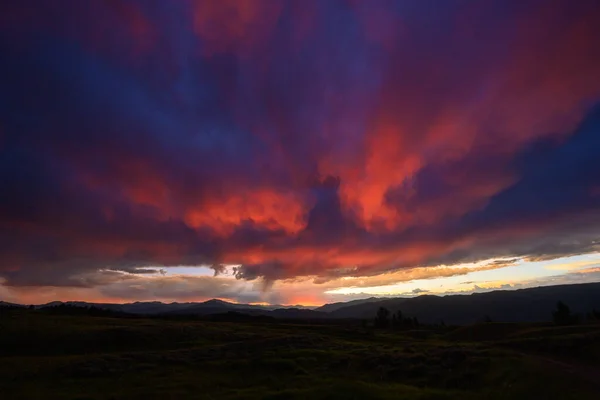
(67, 309)
(562, 315)
(386, 319)
(92, 311)
(5, 308)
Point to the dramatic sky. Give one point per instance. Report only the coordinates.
(296, 151)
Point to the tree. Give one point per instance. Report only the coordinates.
(562, 315)
(398, 320)
(382, 318)
(399, 316)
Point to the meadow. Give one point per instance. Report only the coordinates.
(44, 356)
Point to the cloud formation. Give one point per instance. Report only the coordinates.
(314, 139)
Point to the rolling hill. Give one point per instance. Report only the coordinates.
(523, 305)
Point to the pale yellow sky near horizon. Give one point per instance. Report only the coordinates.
(198, 283)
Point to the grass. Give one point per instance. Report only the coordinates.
(79, 357)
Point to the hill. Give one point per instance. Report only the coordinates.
(336, 306)
(524, 305)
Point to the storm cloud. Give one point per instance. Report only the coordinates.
(293, 139)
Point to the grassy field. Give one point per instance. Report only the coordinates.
(80, 357)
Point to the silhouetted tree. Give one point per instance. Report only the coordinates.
(592, 317)
(382, 319)
(562, 315)
(399, 316)
(7, 308)
(397, 320)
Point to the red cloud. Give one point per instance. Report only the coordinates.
(221, 141)
(234, 25)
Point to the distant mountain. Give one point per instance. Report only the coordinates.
(336, 306)
(7, 304)
(217, 306)
(523, 305)
(152, 307)
(214, 306)
(218, 303)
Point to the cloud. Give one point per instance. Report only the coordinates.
(219, 269)
(315, 143)
(142, 270)
(579, 266)
(419, 291)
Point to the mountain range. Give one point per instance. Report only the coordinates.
(523, 305)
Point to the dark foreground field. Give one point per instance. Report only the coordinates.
(81, 357)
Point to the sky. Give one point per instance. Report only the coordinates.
(296, 152)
